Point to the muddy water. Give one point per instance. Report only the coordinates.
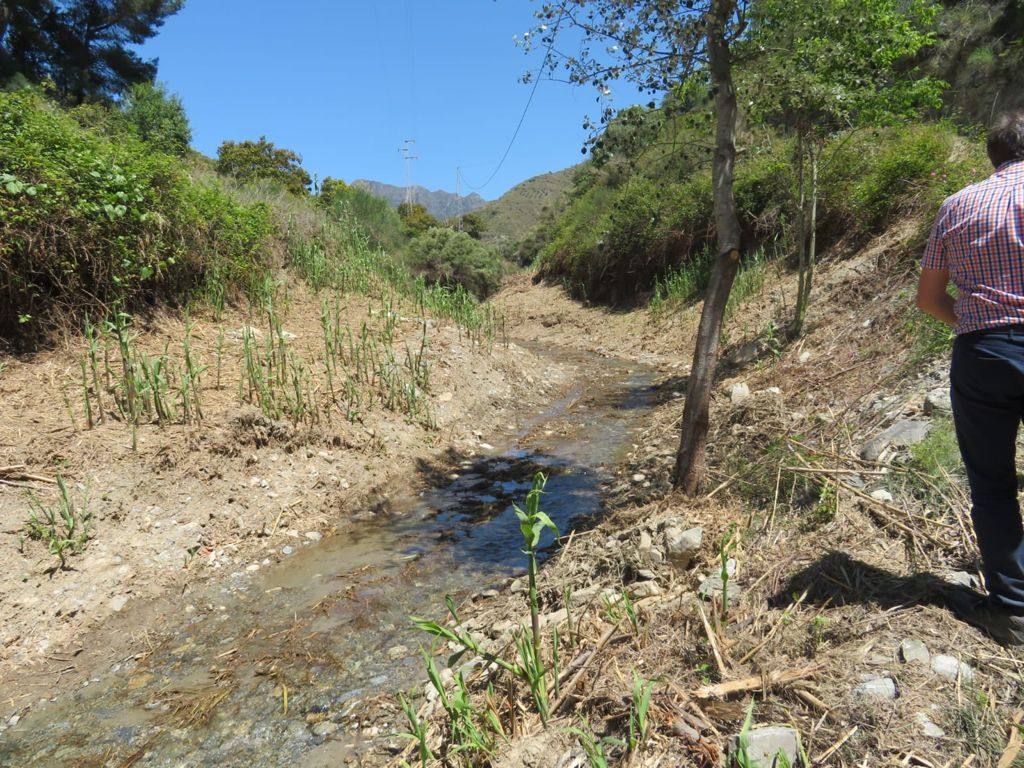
(261, 667)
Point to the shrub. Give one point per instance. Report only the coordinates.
(416, 219)
(158, 118)
(448, 257)
(87, 221)
(251, 161)
(373, 215)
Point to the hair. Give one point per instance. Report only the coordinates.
(1006, 139)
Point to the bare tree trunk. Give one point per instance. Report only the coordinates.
(808, 233)
(691, 458)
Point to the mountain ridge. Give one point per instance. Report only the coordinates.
(440, 203)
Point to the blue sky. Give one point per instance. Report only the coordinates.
(344, 82)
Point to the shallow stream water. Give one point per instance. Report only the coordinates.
(256, 662)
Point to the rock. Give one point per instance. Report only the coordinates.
(314, 535)
(324, 729)
(950, 668)
(118, 602)
(963, 579)
(913, 651)
(553, 618)
(682, 546)
(804, 356)
(644, 589)
(711, 587)
(938, 402)
(397, 652)
(878, 689)
(739, 393)
(639, 477)
(882, 495)
(747, 352)
(645, 574)
(903, 433)
(287, 549)
(646, 552)
(763, 745)
(928, 728)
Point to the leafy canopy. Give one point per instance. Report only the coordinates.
(825, 65)
(158, 117)
(416, 218)
(83, 46)
(251, 161)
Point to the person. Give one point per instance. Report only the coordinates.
(978, 242)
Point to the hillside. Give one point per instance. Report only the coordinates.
(516, 213)
(440, 204)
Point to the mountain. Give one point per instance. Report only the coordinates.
(516, 213)
(440, 203)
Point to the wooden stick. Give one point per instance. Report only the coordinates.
(1014, 744)
(570, 686)
(835, 747)
(712, 640)
(778, 624)
(769, 680)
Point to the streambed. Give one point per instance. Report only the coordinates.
(271, 669)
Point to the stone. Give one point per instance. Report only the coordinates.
(739, 393)
(324, 729)
(963, 579)
(711, 587)
(314, 535)
(647, 553)
(878, 689)
(747, 352)
(949, 667)
(938, 402)
(914, 651)
(118, 602)
(397, 652)
(639, 477)
(682, 546)
(644, 589)
(880, 494)
(804, 356)
(927, 727)
(903, 433)
(287, 550)
(763, 745)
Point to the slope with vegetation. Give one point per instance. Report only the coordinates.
(516, 213)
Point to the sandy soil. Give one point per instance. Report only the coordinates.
(230, 494)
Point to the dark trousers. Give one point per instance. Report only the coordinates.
(987, 387)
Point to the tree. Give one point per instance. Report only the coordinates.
(416, 219)
(158, 117)
(828, 65)
(250, 161)
(330, 192)
(449, 257)
(83, 46)
(470, 223)
(658, 45)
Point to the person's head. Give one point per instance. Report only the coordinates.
(1006, 139)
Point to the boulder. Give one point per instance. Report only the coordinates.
(913, 651)
(763, 746)
(938, 402)
(682, 546)
(878, 689)
(903, 433)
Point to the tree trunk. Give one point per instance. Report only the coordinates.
(808, 233)
(799, 309)
(691, 458)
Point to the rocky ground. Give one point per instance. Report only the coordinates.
(798, 606)
(234, 493)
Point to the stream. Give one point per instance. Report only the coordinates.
(270, 669)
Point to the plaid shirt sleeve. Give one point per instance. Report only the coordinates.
(935, 256)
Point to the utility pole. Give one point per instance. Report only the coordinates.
(408, 156)
(458, 193)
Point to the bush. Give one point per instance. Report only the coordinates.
(377, 219)
(447, 257)
(252, 161)
(158, 118)
(87, 221)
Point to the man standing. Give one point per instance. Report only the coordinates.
(978, 243)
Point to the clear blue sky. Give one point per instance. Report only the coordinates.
(344, 82)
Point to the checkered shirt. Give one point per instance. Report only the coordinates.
(979, 237)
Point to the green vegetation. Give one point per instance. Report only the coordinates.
(88, 220)
(446, 256)
(416, 219)
(64, 528)
(515, 214)
(84, 49)
(261, 160)
(158, 118)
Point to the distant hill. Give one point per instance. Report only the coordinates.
(515, 214)
(440, 203)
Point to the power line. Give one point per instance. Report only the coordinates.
(522, 117)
